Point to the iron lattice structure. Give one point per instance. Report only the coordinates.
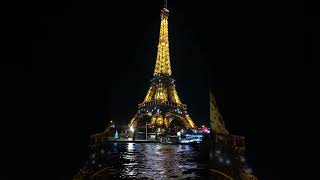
(227, 152)
(162, 106)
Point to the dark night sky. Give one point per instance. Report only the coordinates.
(71, 66)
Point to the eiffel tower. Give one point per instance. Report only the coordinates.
(162, 107)
(227, 161)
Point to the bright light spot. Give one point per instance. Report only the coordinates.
(159, 129)
(228, 161)
(130, 147)
(220, 159)
(131, 129)
(185, 141)
(178, 133)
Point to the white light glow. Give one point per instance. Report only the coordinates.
(132, 129)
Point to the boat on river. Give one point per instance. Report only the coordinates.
(186, 138)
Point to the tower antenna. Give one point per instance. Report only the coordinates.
(165, 4)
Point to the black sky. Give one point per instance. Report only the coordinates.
(71, 66)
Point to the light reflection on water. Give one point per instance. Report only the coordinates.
(156, 161)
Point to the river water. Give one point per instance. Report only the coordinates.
(156, 161)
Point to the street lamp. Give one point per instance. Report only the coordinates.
(146, 131)
(132, 129)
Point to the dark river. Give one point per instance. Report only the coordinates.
(156, 161)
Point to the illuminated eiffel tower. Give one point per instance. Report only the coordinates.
(162, 107)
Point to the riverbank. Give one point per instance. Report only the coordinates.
(133, 141)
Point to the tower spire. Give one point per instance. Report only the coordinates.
(163, 67)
